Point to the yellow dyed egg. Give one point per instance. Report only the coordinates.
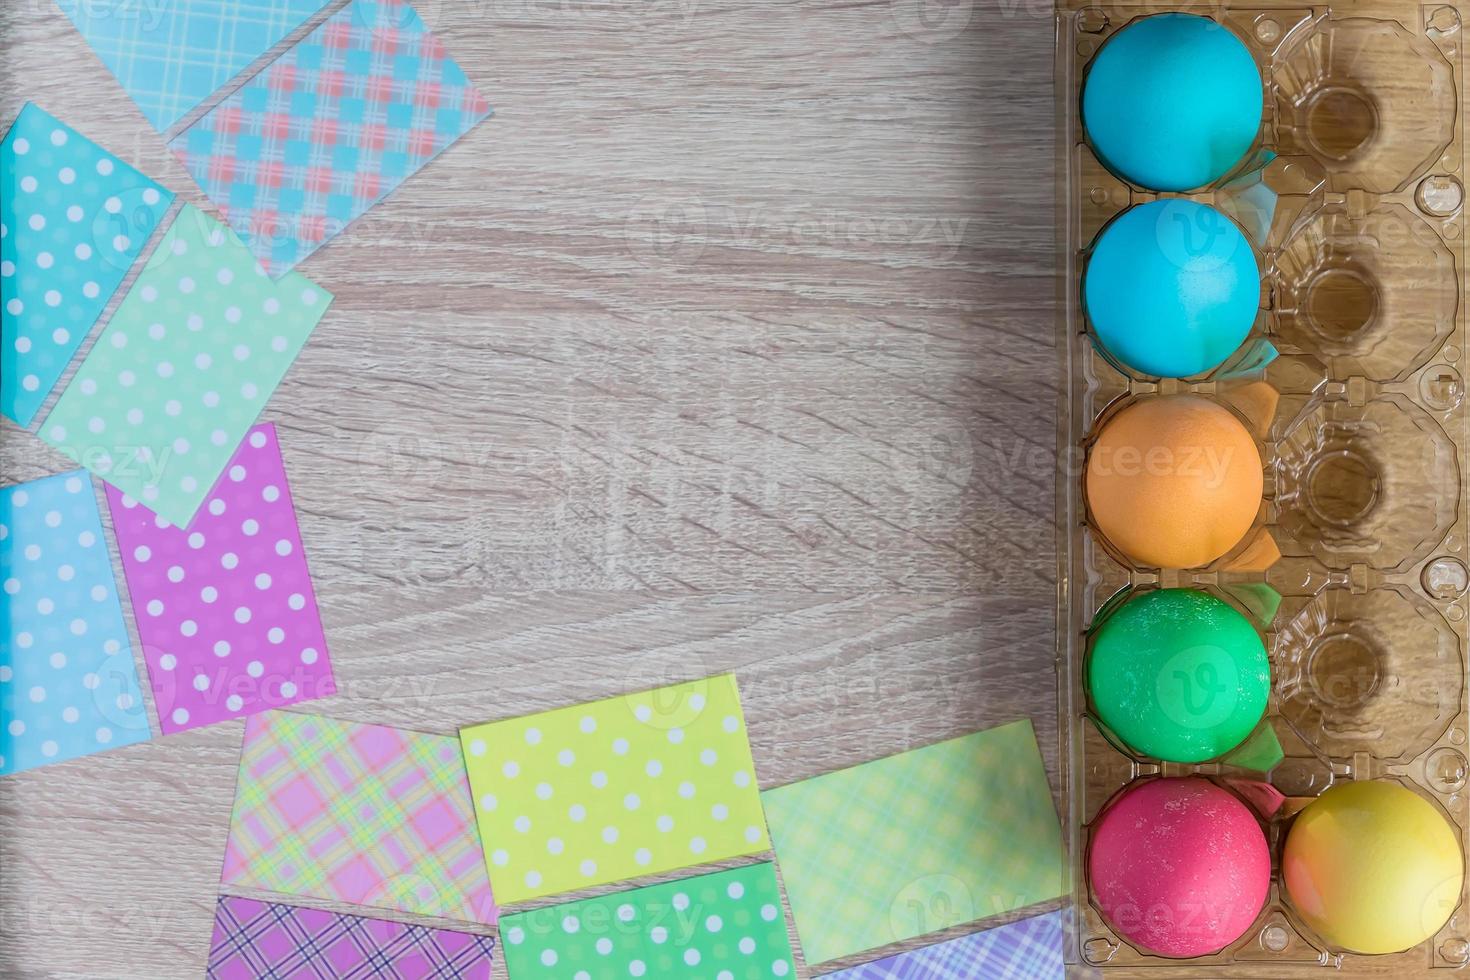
(1373, 867)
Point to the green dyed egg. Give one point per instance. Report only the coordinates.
(1178, 675)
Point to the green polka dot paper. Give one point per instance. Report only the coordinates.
(68, 683)
(723, 926)
(184, 367)
(73, 217)
(612, 790)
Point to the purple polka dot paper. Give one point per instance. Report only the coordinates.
(225, 607)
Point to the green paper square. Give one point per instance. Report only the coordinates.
(184, 367)
(916, 843)
(612, 790)
(723, 926)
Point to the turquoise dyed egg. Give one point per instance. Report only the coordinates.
(1171, 288)
(1172, 102)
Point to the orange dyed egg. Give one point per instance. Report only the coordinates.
(1174, 481)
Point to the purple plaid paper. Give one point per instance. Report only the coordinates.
(255, 940)
(1029, 949)
(330, 129)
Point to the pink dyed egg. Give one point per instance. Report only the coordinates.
(1179, 867)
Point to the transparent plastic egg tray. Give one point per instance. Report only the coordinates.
(1353, 382)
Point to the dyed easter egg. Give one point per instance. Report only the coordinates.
(1179, 867)
(1172, 102)
(1173, 481)
(1171, 288)
(1372, 867)
(1178, 675)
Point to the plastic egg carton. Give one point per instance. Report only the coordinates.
(1353, 383)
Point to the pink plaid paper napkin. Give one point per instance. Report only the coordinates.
(357, 813)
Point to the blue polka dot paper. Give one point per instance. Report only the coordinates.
(171, 56)
(68, 683)
(73, 217)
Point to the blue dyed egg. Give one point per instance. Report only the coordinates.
(1172, 102)
(1172, 288)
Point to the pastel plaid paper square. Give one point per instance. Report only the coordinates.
(254, 940)
(1029, 949)
(169, 57)
(363, 814)
(330, 129)
(916, 843)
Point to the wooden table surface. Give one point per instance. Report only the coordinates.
(727, 344)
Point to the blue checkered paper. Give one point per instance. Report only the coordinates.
(73, 217)
(170, 55)
(68, 683)
(333, 127)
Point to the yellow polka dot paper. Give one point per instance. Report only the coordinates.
(607, 791)
(184, 367)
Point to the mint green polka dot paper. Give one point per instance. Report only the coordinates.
(723, 926)
(183, 369)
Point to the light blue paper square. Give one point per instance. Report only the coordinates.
(171, 56)
(74, 217)
(68, 683)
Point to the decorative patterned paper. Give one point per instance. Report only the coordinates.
(1029, 949)
(718, 926)
(356, 813)
(73, 217)
(171, 56)
(264, 939)
(225, 610)
(330, 129)
(183, 368)
(68, 686)
(916, 843)
(612, 790)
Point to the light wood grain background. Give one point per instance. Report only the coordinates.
(725, 345)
